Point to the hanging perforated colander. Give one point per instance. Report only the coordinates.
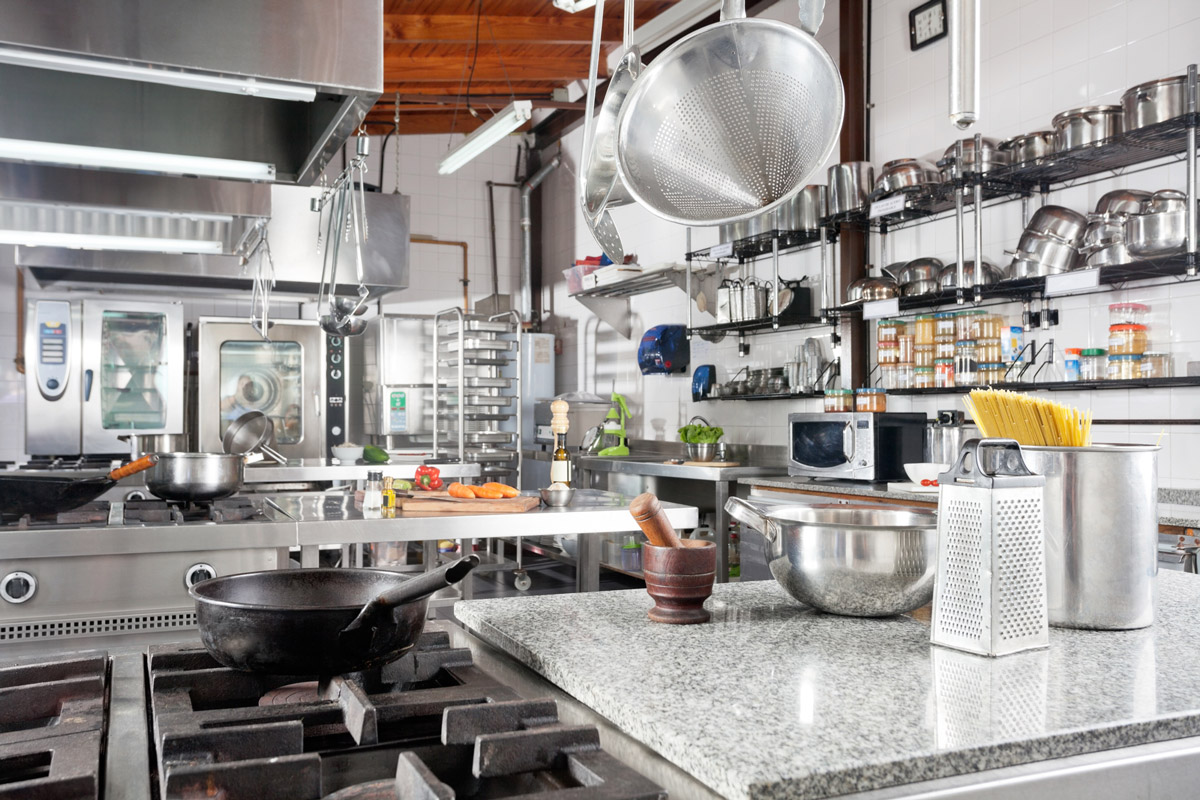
(730, 121)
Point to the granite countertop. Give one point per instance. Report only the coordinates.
(1178, 507)
(774, 700)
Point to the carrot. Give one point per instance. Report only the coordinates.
(461, 491)
(503, 488)
(487, 493)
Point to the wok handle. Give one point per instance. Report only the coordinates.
(652, 519)
(134, 467)
(413, 589)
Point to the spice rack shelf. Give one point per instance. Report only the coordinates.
(772, 396)
(764, 324)
(752, 247)
(1064, 386)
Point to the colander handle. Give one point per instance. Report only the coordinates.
(752, 518)
(812, 14)
(733, 9)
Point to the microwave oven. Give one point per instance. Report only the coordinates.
(856, 446)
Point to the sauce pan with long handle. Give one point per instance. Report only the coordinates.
(317, 621)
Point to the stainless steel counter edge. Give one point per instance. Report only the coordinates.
(321, 469)
(655, 467)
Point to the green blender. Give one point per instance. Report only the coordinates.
(614, 428)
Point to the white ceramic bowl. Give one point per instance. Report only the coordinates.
(924, 471)
(346, 453)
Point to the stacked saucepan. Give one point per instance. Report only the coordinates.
(1049, 245)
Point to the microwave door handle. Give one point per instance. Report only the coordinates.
(87, 385)
(849, 443)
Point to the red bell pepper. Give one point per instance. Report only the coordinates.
(427, 478)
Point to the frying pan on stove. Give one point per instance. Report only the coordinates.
(49, 494)
(320, 622)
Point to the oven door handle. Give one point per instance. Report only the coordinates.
(87, 385)
(317, 404)
(849, 442)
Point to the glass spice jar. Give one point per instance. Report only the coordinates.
(904, 375)
(989, 350)
(1156, 365)
(1124, 367)
(943, 346)
(888, 329)
(888, 375)
(923, 355)
(966, 363)
(943, 373)
(943, 323)
(923, 330)
(889, 353)
(1093, 364)
(904, 345)
(1128, 313)
(964, 323)
(922, 377)
(987, 326)
(837, 400)
(870, 400)
(1127, 340)
(992, 373)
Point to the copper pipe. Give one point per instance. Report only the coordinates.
(466, 278)
(20, 359)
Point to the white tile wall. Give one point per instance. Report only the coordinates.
(1038, 58)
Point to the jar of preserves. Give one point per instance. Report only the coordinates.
(989, 350)
(888, 375)
(943, 346)
(986, 326)
(1128, 313)
(870, 400)
(839, 400)
(923, 355)
(922, 329)
(943, 373)
(922, 377)
(965, 322)
(966, 363)
(889, 353)
(1156, 365)
(1124, 367)
(1093, 364)
(904, 376)
(943, 323)
(888, 329)
(1127, 340)
(905, 344)
(1071, 360)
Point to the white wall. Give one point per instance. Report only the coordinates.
(1039, 57)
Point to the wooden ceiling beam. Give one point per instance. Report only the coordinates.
(489, 67)
(478, 89)
(413, 124)
(460, 28)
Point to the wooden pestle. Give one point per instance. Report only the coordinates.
(651, 518)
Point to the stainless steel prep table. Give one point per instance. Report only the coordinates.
(332, 519)
(324, 469)
(724, 481)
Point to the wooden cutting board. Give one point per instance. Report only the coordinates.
(443, 503)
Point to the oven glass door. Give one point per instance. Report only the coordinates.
(267, 377)
(822, 444)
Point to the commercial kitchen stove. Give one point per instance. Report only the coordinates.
(166, 721)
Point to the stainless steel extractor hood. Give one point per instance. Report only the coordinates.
(243, 89)
(291, 233)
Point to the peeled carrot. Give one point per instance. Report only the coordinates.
(487, 493)
(503, 488)
(461, 491)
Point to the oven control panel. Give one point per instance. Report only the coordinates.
(335, 392)
(53, 334)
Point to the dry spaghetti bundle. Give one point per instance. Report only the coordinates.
(1029, 420)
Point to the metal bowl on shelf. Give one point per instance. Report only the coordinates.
(905, 174)
(702, 452)
(557, 498)
(859, 561)
(948, 277)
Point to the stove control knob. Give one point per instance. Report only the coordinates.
(197, 573)
(17, 587)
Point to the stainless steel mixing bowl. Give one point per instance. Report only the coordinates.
(859, 561)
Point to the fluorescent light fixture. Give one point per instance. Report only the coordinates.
(87, 241)
(511, 117)
(571, 6)
(134, 72)
(78, 155)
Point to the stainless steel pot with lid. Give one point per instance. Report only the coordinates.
(859, 561)
(850, 184)
(1028, 148)
(1154, 101)
(1087, 125)
(990, 155)
(905, 173)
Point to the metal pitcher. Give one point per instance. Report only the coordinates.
(755, 295)
(729, 301)
(945, 435)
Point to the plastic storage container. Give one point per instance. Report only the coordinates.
(943, 323)
(943, 373)
(1127, 340)
(839, 400)
(1071, 363)
(870, 400)
(943, 346)
(923, 355)
(986, 326)
(922, 329)
(989, 350)
(1093, 364)
(1156, 365)
(992, 372)
(1124, 367)
(905, 344)
(889, 353)
(966, 363)
(1128, 313)
(889, 376)
(904, 376)
(888, 329)
(922, 377)
(965, 322)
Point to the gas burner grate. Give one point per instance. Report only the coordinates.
(430, 724)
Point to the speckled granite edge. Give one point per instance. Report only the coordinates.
(1166, 496)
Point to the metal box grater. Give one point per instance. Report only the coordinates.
(990, 593)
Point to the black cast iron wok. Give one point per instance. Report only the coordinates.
(316, 621)
(48, 494)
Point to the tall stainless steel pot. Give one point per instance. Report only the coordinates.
(1101, 533)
